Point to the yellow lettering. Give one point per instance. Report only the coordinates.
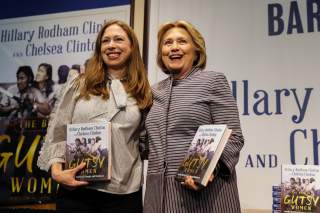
(309, 200)
(101, 161)
(29, 124)
(16, 184)
(301, 199)
(44, 123)
(204, 163)
(194, 163)
(46, 185)
(4, 161)
(88, 161)
(58, 185)
(286, 199)
(295, 200)
(32, 183)
(29, 156)
(5, 137)
(5, 155)
(315, 200)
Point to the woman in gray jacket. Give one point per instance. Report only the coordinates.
(188, 98)
(113, 88)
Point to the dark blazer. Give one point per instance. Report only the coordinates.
(179, 107)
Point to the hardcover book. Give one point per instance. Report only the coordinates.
(276, 199)
(90, 143)
(204, 153)
(300, 188)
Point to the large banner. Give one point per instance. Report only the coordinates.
(269, 51)
(35, 39)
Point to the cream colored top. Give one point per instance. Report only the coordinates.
(122, 110)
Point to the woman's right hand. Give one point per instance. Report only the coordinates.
(67, 177)
(189, 183)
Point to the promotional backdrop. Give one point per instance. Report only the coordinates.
(56, 34)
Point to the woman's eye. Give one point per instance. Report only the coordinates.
(118, 39)
(167, 42)
(182, 41)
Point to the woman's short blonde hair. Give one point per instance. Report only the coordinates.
(197, 39)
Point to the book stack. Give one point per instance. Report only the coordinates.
(300, 188)
(276, 199)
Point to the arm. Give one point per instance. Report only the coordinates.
(143, 137)
(52, 154)
(6, 110)
(40, 105)
(7, 105)
(42, 108)
(223, 108)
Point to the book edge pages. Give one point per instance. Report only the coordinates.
(217, 154)
(109, 169)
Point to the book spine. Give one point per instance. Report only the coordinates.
(276, 199)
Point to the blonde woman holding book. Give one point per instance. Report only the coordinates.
(113, 88)
(188, 98)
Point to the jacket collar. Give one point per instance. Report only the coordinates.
(117, 101)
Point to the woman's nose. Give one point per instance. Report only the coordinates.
(174, 46)
(111, 44)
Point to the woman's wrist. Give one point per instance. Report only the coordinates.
(56, 168)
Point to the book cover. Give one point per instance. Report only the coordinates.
(300, 188)
(204, 153)
(90, 143)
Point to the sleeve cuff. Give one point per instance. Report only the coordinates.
(50, 154)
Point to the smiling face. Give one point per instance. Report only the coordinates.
(115, 47)
(41, 75)
(178, 51)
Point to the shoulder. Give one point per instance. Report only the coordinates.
(35, 91)
(213, 79)
(161, 85)
(209, 75)
(35, 94)
(55, 87)
(207, 79)
(71, 89)
(13, 89)
(74, 83)
(72, 74)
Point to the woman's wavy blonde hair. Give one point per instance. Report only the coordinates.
(198, 40)
(95, 76)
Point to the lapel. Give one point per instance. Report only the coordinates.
(117, 101)
(165, 99)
